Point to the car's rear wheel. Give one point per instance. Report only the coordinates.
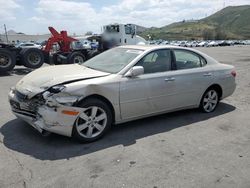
(93, 122)
(209, 101)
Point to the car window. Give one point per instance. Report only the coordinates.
(156, 61)
(113, 60)
(203, 61)
(188, 60)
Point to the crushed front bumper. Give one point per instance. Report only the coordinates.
(43, 117)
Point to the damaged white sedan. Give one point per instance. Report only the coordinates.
(119, 85)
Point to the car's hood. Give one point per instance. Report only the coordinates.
(43, 78)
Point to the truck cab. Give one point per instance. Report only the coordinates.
(122, 34)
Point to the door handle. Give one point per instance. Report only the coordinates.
(207, 74)
(170, 79)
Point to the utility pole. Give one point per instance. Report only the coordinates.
(6, 33)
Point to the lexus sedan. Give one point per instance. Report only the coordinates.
(119, 85)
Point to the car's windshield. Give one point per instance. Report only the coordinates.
(113, 60)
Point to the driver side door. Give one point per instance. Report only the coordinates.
(150, 92)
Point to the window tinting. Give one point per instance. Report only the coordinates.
(188, 60)
(156, 61)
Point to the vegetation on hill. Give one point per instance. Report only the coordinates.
(229, 23)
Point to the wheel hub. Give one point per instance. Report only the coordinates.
(34, 58)
(4, 60)
(91, 122)
(210, 101)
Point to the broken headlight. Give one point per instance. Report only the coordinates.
(67, 100)
(56, 95)
(56, 89)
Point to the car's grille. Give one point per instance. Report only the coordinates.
(25, 104)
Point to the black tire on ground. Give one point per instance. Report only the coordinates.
(76, 57)
(7, 60)
(89, 121)
(32, 57)
(209, 100)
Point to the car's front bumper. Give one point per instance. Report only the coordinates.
(52, 119)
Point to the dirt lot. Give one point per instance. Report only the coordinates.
(182, 149)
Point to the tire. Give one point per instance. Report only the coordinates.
(7, 60)
(209, 101)
(87, 121)
(32, 58)
(76, 57)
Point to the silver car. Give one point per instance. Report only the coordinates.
(120, 85)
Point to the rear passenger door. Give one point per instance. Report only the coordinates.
(191, 76)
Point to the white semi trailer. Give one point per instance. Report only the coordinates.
(122, 34)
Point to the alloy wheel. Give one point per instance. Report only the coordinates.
(210, 101)
(91, 122)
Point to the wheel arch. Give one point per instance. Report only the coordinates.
(215, 86)
(103, 99)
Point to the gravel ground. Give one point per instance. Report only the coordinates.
(181, 149)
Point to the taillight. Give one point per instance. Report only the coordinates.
(233, 73)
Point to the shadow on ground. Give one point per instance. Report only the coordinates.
(21, 137)
(16, 71)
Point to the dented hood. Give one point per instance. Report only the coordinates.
(43, 78)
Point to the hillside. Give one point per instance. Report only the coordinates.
(231, 22)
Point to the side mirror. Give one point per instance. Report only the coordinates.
(135, 71)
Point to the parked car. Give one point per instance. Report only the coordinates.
(212, 44)
(28, 45)
(120, 85)
(202, 44)
(224, 43)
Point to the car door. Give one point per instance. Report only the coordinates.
(148, 93)
(192, 76)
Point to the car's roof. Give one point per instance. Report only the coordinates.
(158, 47)
(152, 47)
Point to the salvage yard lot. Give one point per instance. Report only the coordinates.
(181, 149)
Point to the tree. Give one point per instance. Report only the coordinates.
(220, 34)
(208, 34)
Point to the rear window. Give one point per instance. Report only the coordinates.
(187, 60)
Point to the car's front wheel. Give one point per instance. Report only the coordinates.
(209, 101)
(93, 122)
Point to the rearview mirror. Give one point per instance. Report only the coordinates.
(135, 71)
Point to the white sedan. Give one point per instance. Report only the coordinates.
(120, 85)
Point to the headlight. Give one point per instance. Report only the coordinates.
(67, 100)
(53, 90)
(56, 89)
(56, 95)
